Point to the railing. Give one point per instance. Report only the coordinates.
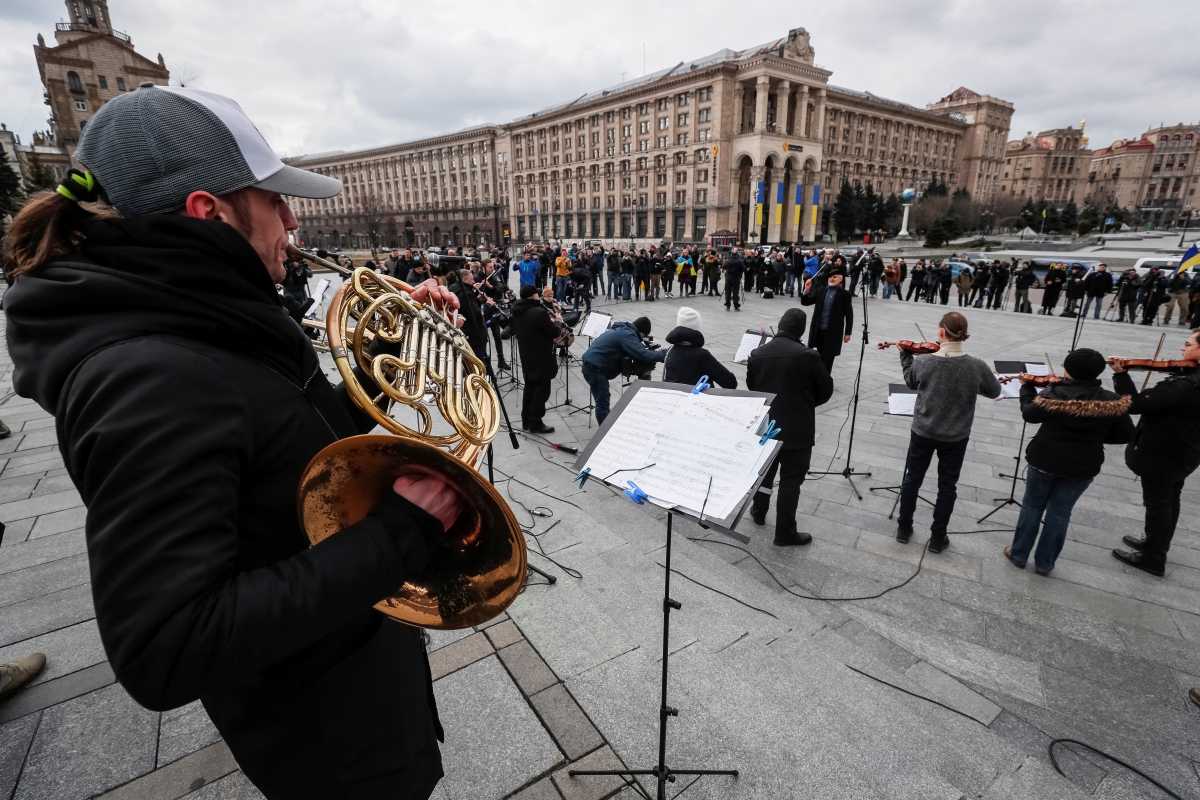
(78, 26)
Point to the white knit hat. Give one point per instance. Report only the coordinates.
(688, 318)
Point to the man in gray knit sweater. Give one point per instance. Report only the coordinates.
(947, 383)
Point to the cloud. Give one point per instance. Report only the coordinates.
(317, 76)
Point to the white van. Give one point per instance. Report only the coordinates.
(1164, 263)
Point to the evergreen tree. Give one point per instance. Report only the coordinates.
(892, 212)
(936, 189)
(845, 212)
(1090, 219)
(11, 195)
(39, 176)
(1068, 220)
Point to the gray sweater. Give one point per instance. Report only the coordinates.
(947, 386)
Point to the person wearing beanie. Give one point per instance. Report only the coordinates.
(623, 342)
(833, 315)
(1077, 419)
(687, 360)
(1164, 451)
(785, 367)
(186, 422)
(535, 333)
(947, 384)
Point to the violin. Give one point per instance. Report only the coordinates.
(1033, 380)
(1155, 365)
(909, 346)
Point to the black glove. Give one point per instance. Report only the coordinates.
(419, 535)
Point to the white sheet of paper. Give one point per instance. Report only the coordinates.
(747, 344)
(1010, 390)
(318, 297)
(661, 427)
(596, 323)
(902, 404)
(1037, 368)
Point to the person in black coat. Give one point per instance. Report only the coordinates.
(1056, 278)
(1127, 293)
(535, 334)
(833, 316)
(688, 360)
(794, 374)
(469, 308)
(735, 268)
(1096, 285)
(185, 422)
(1077, 418)
(998, 283)
(1165, 450)
(1074, 291)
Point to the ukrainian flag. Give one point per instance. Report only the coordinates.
(1191, 259)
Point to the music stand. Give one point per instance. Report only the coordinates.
(1012, 368)
(661, 772)
(899, 389)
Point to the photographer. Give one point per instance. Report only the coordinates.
(688, 360)
(535, 333)
(602, 361)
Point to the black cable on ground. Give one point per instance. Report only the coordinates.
(1050, 748)
(837, 445)
(802, 596)
(1112, 758)
(740, 602)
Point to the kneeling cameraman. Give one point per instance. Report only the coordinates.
(602, 361)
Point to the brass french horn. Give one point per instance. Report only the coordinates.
(481, 569)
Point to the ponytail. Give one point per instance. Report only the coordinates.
(50, 225)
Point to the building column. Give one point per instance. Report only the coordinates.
(781, 107)
(802, 112)
(761, 88)
(793, 223)
(778, 195)
(739, 98)
(819, 111)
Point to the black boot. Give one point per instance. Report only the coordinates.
(938, 541)
(793, 539)
(1136, 542)
(1155, 566)
(903, 533)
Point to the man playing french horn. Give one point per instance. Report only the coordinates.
(143, 315)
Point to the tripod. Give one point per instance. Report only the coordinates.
(661, 771)
(1011, 500)
(1078, 329)
(565, 356)
(848, 473)
(512, 438)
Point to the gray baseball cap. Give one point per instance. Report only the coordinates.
(152, 147)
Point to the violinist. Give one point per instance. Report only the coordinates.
(947, 383)
(1077, 419)
(1164, 451)
(832, 318)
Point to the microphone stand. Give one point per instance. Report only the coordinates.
(848, 473)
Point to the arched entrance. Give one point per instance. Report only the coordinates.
(769, 176)
(410, 238)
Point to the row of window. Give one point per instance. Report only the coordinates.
(680, 197)
(633, 223)
(75, 84)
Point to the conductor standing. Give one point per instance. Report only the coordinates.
(833, 316)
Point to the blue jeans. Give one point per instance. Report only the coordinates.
(560, 287)
(1055, 496)
(599, 387)
(1088, 304)
(626, 285)
(887, 290)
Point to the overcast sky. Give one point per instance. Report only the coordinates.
(319, 75)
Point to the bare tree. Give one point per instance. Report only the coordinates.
(374, 216)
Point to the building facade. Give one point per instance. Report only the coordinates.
(744, 143)
(1157, 173)
(1047, 166)
(90, 63)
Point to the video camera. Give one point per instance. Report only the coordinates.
(636, 368)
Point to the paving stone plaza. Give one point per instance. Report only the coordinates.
(778, 687)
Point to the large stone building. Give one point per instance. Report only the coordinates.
(1157, 173)
(90, 63)
(739, 142)
(1046, 166)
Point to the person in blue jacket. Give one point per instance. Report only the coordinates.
(529, 268)
(602, 361)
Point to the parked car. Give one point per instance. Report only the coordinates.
(1164, 263)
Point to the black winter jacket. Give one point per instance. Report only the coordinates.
(795, 375)
(841, 321)
(187, 405)
(688, 360)
(1077, 419)
(1167, 439)
(535, 334)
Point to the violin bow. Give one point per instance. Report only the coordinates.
(1049, 363)
(1157, 352)
(921, 333)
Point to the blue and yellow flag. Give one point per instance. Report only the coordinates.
(1191, 259)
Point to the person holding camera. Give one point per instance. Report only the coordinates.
(535, 333)
(688, 360)
(602, 361)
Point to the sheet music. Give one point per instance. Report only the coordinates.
(597, 322)
(902, 404)
(318, 297)
(1012, 389)
(750, 340)
(661, 427)
(1037, 368)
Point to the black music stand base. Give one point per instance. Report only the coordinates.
(896, 491)
(662, 773)
(1011, 500)
(549, 578)
(848, 473)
